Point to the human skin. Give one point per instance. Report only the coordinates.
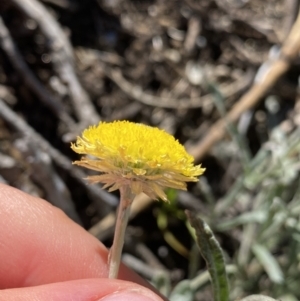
(46, 256)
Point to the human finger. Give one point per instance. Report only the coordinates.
(82, 290)
(39, 244)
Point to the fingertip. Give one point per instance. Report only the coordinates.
(82, 290)
(126, 296)
(55, 248)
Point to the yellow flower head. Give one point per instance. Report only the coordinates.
(146, 159)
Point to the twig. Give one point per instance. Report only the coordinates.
(254, 57)
(141, 267)
(194, 28)
(290, 8)
(7, 95)
(99, 196)
(12, 52)
(137, 93)
(62, 58)
(45, 176)
(91, 57)
(148, 256)
(167, 102)
(262, 26)
(60, 3)
(276, 69)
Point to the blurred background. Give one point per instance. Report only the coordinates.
(222, 76)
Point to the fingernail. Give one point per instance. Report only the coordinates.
(129, 296)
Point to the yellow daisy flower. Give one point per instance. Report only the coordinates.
(143, 158)
(133, 158)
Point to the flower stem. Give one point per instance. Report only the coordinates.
(114, 256)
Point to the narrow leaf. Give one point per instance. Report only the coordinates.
(213, 255)
(268, 262)
(182, 292)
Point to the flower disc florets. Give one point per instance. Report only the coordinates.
(145, 158)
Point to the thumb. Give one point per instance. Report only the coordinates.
(82, 290)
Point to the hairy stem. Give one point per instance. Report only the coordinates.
(114, 256)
